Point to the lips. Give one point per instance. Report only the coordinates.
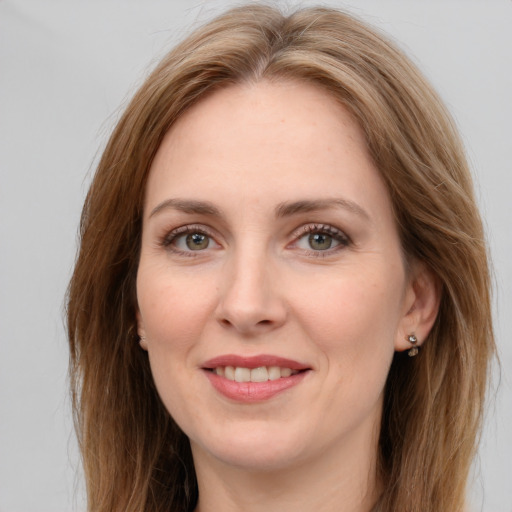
(253, 362)
(256, 378)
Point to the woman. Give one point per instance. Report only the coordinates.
(281, 299)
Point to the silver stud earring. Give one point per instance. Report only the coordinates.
(413, 351)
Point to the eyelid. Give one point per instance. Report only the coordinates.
(167, 241)
(337, 234)
(170, 236)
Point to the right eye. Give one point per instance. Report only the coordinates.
(187, 240)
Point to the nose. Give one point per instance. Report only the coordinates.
(251, 300)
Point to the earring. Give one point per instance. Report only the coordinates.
(413, 351)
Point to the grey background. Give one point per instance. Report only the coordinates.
(66, 67)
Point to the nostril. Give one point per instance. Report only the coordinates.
(240, 325)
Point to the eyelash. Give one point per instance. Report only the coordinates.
(325, 229)
(170, 239)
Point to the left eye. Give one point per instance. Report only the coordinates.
(317, 242)
(192, 241)
(321, 239)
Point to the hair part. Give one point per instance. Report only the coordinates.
(134, 455)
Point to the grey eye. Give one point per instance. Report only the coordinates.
(197, 241)
(320, 241)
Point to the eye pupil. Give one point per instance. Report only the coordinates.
(320, 241)
(197, 241)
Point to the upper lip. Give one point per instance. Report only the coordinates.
(253, 362)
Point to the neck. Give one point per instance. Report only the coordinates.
(341, 481)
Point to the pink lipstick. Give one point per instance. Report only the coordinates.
(255, 378)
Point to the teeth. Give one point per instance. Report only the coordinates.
(229, 373)
(285, 372)
(274, 373)
(260, 374)
(242, 374)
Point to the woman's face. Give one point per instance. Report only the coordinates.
(270, 256)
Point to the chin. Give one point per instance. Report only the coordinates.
(254, 449)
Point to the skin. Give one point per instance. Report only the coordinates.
(259, 287)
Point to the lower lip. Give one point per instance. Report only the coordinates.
(253, 391)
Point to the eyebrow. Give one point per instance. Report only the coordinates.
(187, 206)
(285, 209)
(291, 208)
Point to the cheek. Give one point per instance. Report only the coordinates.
(173, 312)
(355, 305)
(173, 307)
(354, 320)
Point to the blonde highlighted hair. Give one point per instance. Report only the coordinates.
(135, 457)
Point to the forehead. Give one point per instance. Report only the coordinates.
(294, 112)
(265, 140)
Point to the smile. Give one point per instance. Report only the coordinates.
(253, 379)
(259, 374)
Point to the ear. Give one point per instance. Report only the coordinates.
(421, 305)
(141, 331)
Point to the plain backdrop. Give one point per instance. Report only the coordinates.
(66, 68)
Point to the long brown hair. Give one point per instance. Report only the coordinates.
(134, 455)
